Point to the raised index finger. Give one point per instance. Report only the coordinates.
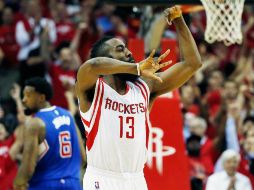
(152, 53)
(163, 55)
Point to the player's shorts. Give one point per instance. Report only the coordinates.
(97, 179)
(61, 184)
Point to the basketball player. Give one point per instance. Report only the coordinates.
(52, 148)
(114, 95)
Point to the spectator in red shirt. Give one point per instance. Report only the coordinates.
(212, 100)
(213, 96)
(8, 42)
(188, 98)
(63, 74)
(65, 29)
(197, 169)
(246, 165)
(198, 126)
(91, 32)
(10, 146)
(63, 71)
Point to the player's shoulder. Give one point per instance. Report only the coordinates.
(31, 121)
(62, 110)
(34, 124)
(144, 83)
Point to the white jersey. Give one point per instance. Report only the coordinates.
(117, 127)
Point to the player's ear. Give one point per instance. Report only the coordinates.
(42, 97)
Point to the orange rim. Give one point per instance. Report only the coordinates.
(191, 8)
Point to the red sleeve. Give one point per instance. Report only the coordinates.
(10, 140)
(9, 163)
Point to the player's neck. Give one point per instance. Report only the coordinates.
(45, 105)
(117, 84)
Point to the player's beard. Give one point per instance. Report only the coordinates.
(128, 77)
(29, 111)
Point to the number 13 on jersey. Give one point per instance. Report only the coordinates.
(126, 127)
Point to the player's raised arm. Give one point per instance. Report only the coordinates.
(179, 73)
(93, 68)
(33, 130)
(103, 64)
(89, 72)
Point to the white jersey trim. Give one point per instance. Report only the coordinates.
(87, 116)
(48, 109)
(43, 149)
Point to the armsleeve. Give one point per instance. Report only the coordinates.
(231, 135)
(21, 34)
(9, 162)
(52, 31)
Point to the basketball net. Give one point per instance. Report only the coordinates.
(223, 21)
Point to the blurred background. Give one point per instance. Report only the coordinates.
(52, 38)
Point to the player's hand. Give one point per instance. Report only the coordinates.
(19, 183)
(20, 187)
(15, 91)
(172, 13)
(150, 65)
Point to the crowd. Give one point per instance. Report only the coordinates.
(51, 39)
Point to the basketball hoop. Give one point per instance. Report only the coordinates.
(223, 21)
(191, 8)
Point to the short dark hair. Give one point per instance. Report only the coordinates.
(193, 137)
(99, 48)
(62, 45)
(40, 85)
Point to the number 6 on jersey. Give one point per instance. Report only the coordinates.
(129, 132)
(65, 144)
